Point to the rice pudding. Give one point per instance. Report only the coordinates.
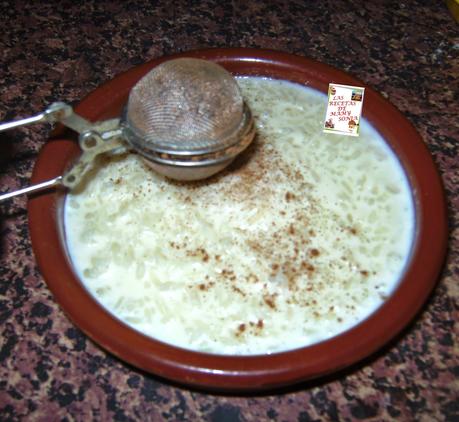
(301, 238)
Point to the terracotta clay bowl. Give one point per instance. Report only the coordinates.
(243, 373)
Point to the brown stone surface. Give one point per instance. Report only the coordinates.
(408, 51)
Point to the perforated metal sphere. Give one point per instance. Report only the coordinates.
(186, 105)
(188, 113)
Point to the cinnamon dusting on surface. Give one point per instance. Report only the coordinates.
(200, 253)
(206, 286)
(289, 196)
(353, 230)
(253, 328)
(270, 300)
(238, 290)
(314, 253)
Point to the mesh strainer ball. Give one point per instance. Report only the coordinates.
(188, 119)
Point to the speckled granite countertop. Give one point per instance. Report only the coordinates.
(409, 51)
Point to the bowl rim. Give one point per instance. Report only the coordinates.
(258, 372)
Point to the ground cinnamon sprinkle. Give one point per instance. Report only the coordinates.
(270, 300)
(206, 286)
(314, 252)
(289, 196)
(352, 230)
(238, 290)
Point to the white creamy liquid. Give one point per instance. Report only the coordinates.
(303, 237)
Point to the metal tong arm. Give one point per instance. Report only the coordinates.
(93, 142)
(39, 187)
(94, 139)
(56, 112)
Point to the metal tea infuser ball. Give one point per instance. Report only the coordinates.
(186, 118)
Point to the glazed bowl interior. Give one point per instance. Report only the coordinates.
(239, 373)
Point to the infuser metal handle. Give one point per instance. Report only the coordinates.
(56, 112)
(53, 113)
(94, 139)
(94, 143)
(39, 187)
